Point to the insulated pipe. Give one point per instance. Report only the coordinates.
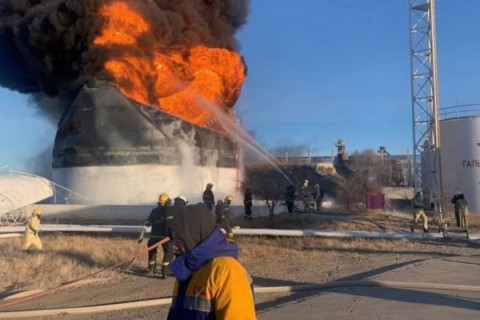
(258, 290)
(11, 235)
(246, 231)
(239, 231)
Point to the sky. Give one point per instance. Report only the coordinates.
(318, 71)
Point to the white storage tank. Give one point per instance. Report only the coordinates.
(460, 159)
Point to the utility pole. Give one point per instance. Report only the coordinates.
(425, 105)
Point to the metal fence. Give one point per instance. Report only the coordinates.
(459, 111)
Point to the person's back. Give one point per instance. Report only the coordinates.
(178, 205)
(462, 204)
(418, 211)
(290, 193)
(290, 196)
(158, 222)
(463, 212)
(248, 203)
(417, 202)
(220, 212)
(456, 200)
(211, 283)
(208, 196)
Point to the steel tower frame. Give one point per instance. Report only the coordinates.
(424, 88)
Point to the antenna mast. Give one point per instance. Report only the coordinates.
(425, 106)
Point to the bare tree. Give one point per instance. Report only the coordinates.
(365, 173)
(266, 183)
(269, 184)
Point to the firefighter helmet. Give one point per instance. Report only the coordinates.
(37, 212)
(163, 198)
(209, 185)
(183, 198)
(229, 197)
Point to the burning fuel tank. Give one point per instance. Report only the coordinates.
(111, 150)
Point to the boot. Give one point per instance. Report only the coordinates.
(166, 272)
(152, 266)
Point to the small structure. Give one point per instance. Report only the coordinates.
(375, 201)
(18, 192)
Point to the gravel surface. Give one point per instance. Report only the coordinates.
(271, 261)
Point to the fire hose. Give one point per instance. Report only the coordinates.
(74, 282)
(258, 290)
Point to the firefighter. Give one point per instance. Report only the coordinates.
(317, 196)
(305, 194)
(31, 231)
(222, 213)
(419, 213)
(208, 197)
(461, 209)
(290, 197)
(248, 203)
(159, 219)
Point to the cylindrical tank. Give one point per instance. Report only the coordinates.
(111, 150)
(460, 159)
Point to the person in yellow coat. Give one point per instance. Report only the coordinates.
(31, 231)
(419, 213)
(210, 281)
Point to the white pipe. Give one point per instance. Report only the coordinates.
(238, 231)
(258, 290)
(78, 228)
(11, 235)
(85, 310)
(322, 233)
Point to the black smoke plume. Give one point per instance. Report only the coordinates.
(46, 46)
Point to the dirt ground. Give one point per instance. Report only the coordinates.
(275, 261)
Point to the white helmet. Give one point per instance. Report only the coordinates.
(183, 198)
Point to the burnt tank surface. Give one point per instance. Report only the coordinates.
(104, 128)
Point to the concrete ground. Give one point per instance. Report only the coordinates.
(388, 303)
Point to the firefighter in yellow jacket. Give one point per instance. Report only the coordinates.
(211, 283)
(419, 213)
(31, 231)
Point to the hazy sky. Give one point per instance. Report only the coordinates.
(318, 70)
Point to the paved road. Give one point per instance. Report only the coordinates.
(385, 303)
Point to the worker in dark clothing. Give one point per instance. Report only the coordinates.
(461, 209)
(317, 196)
(248, 203)
(208, 197)
(222, 213)
(159, 219)
(290, 197)
(304, 190)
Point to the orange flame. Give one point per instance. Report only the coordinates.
(175, 80)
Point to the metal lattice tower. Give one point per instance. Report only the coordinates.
(424, 86)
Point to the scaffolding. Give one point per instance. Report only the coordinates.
(424, 88)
